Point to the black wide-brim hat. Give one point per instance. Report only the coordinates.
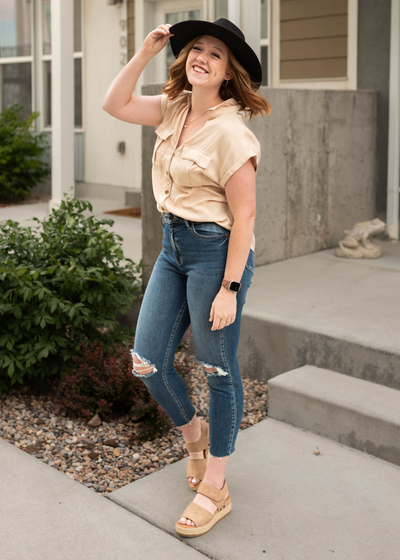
(222, 29)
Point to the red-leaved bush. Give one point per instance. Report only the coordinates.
(101, 381)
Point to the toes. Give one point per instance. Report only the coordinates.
(185, 521)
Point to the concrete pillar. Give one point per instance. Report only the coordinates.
(62, 100)
(393, 188)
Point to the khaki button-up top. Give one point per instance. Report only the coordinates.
(189, 181)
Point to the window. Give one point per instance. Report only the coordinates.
(47, 57)
(265, 11)
(16, 60)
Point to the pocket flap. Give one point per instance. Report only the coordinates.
(163, 131)
(198, 156)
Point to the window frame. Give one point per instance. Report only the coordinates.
(267, 42)
(24, 59)
(49, 57)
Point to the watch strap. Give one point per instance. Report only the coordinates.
(227, 284)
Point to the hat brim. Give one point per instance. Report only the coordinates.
(186, 31)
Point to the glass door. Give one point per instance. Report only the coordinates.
(172, 12)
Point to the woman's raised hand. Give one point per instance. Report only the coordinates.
(156, 40)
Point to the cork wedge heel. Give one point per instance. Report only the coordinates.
(197, 467)
(201, 517)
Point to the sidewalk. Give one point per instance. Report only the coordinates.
(288, 504)
(45, 515)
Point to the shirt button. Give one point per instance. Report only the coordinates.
(166, 192)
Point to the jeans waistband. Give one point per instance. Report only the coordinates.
(169, 216)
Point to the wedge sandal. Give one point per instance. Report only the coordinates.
(197, 467)
(201, 517)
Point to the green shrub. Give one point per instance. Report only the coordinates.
(21, 152)
(62, 283)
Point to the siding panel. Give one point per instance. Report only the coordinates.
(315, 27)
(131, 28)
(330, 47)
(307, 69)
(300, 9)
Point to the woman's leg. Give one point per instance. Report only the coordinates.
(217, 351)
(163, 320)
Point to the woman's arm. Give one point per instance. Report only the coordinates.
(119, 101)
(240, 192)
(241, 196)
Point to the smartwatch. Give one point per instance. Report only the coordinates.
(231, 285)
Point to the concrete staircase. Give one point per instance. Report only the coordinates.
(353, 412)
(323, 332)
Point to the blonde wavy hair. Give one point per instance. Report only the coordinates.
(240, 87)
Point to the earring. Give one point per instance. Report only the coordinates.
(225, 83)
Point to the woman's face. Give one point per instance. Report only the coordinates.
(206, 63)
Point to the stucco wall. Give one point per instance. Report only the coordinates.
(317, 175)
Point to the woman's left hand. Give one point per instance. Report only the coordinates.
(223, 309)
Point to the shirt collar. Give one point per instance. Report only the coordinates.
(228, 106)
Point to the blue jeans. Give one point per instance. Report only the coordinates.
(184, 282)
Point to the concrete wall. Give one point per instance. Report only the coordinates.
(373, 74)
(317, 175)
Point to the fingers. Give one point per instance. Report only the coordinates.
(164, 29)
(220, 323)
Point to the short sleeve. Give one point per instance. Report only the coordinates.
(236, 155)
(169, 108)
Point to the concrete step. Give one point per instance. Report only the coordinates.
(319, 309)
(353, 412)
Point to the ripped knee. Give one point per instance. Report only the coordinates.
(141, 366)
(212, 371)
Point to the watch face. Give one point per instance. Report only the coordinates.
(234, 286)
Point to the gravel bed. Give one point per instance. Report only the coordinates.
(109, 456)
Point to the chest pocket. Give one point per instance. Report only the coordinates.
(191, 166)
(163, 133)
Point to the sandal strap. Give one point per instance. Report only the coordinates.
(196, 468)
(214, 494)
(200, 444)
(199, 515)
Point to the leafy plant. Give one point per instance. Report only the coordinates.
(21, 153)
(101, 381)
(62, 284)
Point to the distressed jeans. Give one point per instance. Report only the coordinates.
(184, 282)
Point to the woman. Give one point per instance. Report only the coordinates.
(204, 164)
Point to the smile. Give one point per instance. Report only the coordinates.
(199, 70)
